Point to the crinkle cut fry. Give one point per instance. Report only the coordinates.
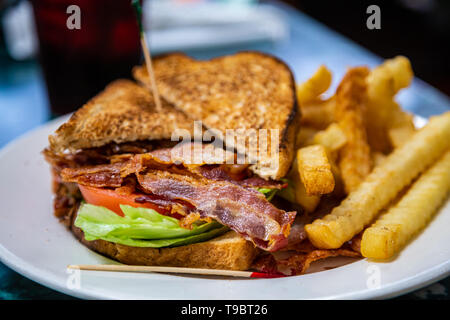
(413, 211)
(382, 185)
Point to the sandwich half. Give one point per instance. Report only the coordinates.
(128, 191)
(247, 90)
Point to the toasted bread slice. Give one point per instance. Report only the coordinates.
(247, 90)
(229, 251)
(123, 112)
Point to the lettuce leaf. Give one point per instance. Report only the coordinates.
(141, 227)
(269, 193)
(288, 193)
(161, 243)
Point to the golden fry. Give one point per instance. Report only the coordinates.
(296, 192)
(339, 189)
(355, 161)
(314, 86)
(315, 170)
(318, 114)
(400, 118)
(376, 128)
(401, 126)
(332, 138)
(307, 202)
(399, 224)
(383, 83)
(304, 136)
(378, 158)
(388, 78)
(401, 71)
(399, 135)
(382, 185)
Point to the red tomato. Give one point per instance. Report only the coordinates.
(112, 200)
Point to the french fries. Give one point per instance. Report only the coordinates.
(304, 136)
(389, 77)
(318, 113)
(399, 135)
(355, 162)
(378, 158)
(382, 112)
(359, 128)
(399, 224)
(332, 138)
(401, 126)
(296, 192)
(308, 203)
(315, 170)
(314, 86)
(401, 71)
(382, 185)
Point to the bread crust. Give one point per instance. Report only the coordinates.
(247, 90)
(123, 112)
(228, 252)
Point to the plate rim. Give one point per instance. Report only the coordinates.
(403, 286)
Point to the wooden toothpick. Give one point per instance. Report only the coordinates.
(145, 269)
(148, 60)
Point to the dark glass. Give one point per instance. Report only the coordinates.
(79, 63)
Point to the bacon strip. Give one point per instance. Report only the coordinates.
(174, 159)
(104, 154)
(104, 175)
(242, 209)
(161, 159)
(221, 173)
(245, 211)
(209, 190)
(300, 260)
(299, 263)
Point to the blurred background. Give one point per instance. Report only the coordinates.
(418, 29)
(36, 40)
(53, 58)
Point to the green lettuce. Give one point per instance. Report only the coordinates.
(269, 193)
(288, 193)
(141, 227)
(161, 243)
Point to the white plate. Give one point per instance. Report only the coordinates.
(33, 243)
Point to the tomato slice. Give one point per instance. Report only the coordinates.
(112, 200)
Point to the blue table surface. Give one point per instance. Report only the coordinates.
(24, 105)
